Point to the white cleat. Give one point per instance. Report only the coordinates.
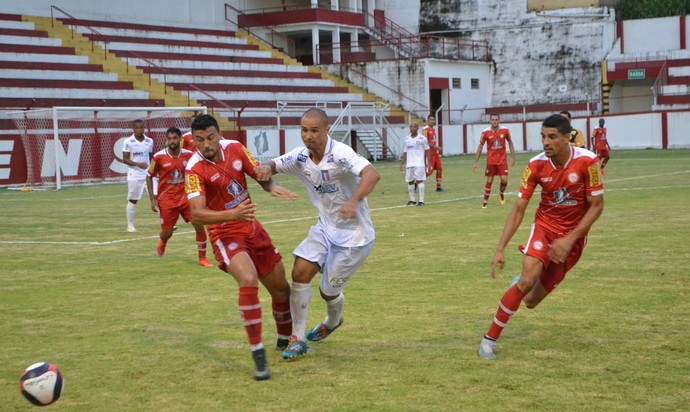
(487, 349)
(131, 229)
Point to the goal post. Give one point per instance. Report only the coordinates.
(68, 146)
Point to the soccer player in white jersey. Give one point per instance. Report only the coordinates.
(137, 153)
(338, 181)
(415, 157)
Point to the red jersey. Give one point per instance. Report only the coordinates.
(564, 190)
(188, 142)
(430, 134)
(170, 172)
(599, 135)
(495, 144)
(224, 184)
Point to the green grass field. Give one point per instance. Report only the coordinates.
(132, 331)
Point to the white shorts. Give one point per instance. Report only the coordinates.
(337, 263)
(417, 173)
(135, 188)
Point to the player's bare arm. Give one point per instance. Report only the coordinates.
(129, 162)
(404, 161)
(154, 198)
(202, 215)
(369, 176)
(512, 153)
(560, 248)
(477, 156)
(513, 221)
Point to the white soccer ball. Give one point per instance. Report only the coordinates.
(42, 383)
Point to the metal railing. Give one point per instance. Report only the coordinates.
(660, 82)
(271, 37)
(367, 116)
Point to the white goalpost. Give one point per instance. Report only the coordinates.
(68, 146)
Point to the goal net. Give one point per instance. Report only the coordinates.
(83, 145)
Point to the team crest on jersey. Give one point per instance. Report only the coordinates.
(192, 184)
(325, 175)
(250, 156)
(184, 163)
(573, 177)
(594, 179)
(237, 165)
(302, 158)
(525, 177)
(538, 245)
(330, 158)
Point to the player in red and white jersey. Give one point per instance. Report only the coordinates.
(434, 152)
(217, 192)
(601, 144)
(572, 199)
(170, 201)
(495, 138)
(188, 142)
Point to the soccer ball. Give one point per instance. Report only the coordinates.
(42, 383)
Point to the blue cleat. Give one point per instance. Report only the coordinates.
(295, 348)
(321, 331)
(514, 281)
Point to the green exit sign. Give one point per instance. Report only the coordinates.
(636, 74)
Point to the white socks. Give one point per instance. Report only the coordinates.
(299, 304)
(334, 309)
(420, 187)
(131, 209)
(410, 190)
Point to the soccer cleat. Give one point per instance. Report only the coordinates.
(261, 372)
(321, 331)
(204, 262)
(282, 343)
(514, 281)
(485, 206)
(420, 204)
(440, 190)
(160, 249)
(487, 349)
(295, 348)
(501, 198)
(411, 203)
(131, 229)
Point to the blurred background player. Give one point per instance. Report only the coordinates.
(572, 199)
(171, 200)
(217, 191)
(577, 139)
(414, 158)
(434, 149)
(495, 138)
(137, 152)
(601, 144)
(338, 181)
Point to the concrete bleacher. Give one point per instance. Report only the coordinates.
(217, 68)
(39, 71)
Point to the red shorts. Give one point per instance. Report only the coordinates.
(168, 216)
(496, 170)
(603, 152)
(538, 247)
(258, 246)
(434, 165)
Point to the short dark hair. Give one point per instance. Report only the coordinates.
(567, 113)
(431, 115)
(561, 123)
(316, 112)
(174, 130)
(494, 114)
(138, 121)
(204, 121)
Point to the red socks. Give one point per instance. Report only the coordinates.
(487, 191)
(510, 303)
(283, 317)
(250, 312)
(201, 243)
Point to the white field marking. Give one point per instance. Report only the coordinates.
(646, 177)
(297, 219)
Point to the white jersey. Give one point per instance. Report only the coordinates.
(330, 184)
(139, 152)
(415, 148)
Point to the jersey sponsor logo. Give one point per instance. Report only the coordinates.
(546, 179)
(250, 156)
(167, 164)
(326, 188)
(192, 184)
(302, 158)
(330, 158)
(237, 164)
(285, 159)
(345, 163)
(594, 179)
(562, 198)
(236, 190)
(177, 177)
(573, 177)
(525, 177)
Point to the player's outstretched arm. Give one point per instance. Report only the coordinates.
(369, 176)
(512, 224)
(264, 171)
